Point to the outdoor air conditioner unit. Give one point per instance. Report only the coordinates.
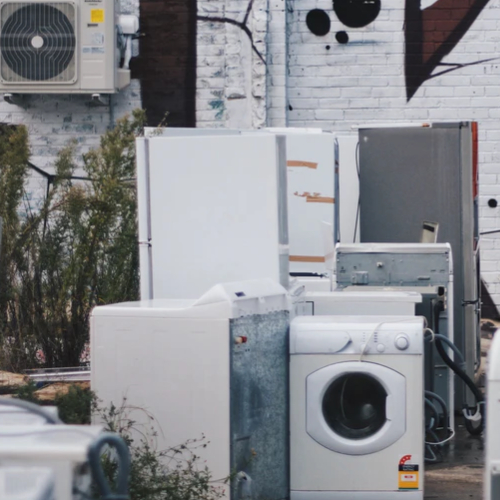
(60, 47)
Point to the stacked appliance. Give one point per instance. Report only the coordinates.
(426, 269)
(247, 204)
(217, 367)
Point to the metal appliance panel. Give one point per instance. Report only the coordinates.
(259, 406)
(409, 175)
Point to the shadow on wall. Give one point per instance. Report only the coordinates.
(431, 33)
(488, 308)
(167, 62)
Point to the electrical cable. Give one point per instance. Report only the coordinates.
(433, 335)
(433, 459)
(439, 443)
(31, 408)
(123, 458)
(429, 404)
(356, 222)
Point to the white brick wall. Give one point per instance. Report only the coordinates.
(231, 76)
(53, 120)
(316, 81)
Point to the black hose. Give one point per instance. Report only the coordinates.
(94, 455)
(470, 384)
(442, 403)
(468, 381)
(475, 431)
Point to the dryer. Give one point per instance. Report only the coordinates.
(356, 408)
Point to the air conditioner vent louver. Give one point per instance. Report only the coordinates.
(37, 42)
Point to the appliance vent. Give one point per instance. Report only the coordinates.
(38, 42)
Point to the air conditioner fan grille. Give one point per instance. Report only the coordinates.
(37, 42)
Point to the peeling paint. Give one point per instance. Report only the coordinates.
(219, 105)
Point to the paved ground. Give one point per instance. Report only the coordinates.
(460, 475)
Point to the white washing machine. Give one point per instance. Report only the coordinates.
(356, 408)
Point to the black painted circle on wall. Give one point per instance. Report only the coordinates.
(318, 22)
(342, 37)
(356, 13)
(492, 203)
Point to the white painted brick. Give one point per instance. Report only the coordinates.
(361, 81)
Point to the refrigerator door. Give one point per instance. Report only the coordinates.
(217, 212)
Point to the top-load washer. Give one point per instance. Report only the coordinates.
(356, 408)
(215, 367)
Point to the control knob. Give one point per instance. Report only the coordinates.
(402, 342)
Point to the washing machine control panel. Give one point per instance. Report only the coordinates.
(397, 341)
(363, 335)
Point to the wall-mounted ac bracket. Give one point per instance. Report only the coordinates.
(100, 100)
(15, 99)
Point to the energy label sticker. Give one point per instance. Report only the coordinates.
(96, 15)
(408, 474)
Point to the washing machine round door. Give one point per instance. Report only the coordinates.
(356, 408)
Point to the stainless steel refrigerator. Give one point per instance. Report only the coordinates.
(410, 175)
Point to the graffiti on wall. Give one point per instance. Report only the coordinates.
(243, 25)
(351, 13)
(431, 32)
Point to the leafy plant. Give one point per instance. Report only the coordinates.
(27, 392)
(77, 250)
(172, 474)
(75, 407)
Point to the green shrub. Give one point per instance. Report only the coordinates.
(172, 474)
(75, 407)
(27, 392)
(77, 250)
